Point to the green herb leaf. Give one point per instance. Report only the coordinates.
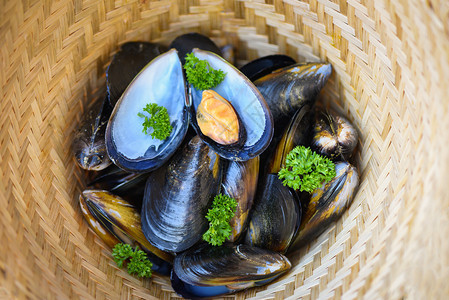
(219, 215)
(138, 262)
(306, 170)
(159, 120)
(200, 74)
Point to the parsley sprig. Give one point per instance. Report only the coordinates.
(138, 262)
(221, 212)
(306, 170)
(158, 120)
(200, 74)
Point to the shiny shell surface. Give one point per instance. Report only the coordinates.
(327, 204)
(116, 219)
(236, 267)
(247, 102)
(187, 42)
(240, 182)
(178, 195)
(286, 90)
(89, 142)
(275, 218)
(265, 65)
(160, 82)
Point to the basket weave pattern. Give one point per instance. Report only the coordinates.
(391, 67)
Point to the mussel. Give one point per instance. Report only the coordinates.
(178, 195)
(129, 186)
(327, 204)
(126, 64)
(333, 135)
(115, 220)
(240, 182)
(298, 132)
(187, 42)
(286, 90)
(265, 65)
(275, 218)
(160, 82)
(226, 268)
(89, 142)
(248, 104)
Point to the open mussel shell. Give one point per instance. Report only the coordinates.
(248, 103)
(114, 219)
(333, 135)
(286, 90)
(327, 204)
(89, 142)
(234, 267)
(275, 218)
(160, 82)
(265, 65)
(187, 42)
(178, 195)
(240, 182)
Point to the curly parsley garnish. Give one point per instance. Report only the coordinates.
(306, 170)
(200, 74)
(138, 262)
(158, 120)
(221, 212)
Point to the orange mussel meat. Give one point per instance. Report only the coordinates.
(217, 118)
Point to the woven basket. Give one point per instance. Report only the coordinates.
(391, 67)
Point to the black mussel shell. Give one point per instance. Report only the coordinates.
(187, 42)
(196, 292)
(160, 82)
(298, 132)
(178, 195)
(126, 64)
(240, 182)
(265, 65)
(236, 267)
(333, 136)
(248, 103)
(130, 186)
(89, 142)
(115, 220)
(327, 204)
(286, 90)
(275, 218)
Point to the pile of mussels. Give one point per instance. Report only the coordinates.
(172, 182)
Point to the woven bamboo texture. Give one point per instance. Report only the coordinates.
(391, 71)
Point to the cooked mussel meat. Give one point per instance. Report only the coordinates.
(115, 220)
(265, 65)
(218, 120)
(230, 267)
(248, 103)
(178, 195)
(89, 142)
(126, 64)
(240, 182)
(161, 82)
(275, 218)
(327, 204)
(286, 90)
(333, 135)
